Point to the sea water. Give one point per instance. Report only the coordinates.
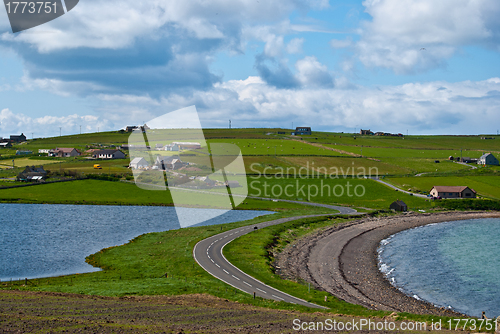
(453, 264)
(52, 240)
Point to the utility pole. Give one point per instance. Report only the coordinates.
(80, 129)
(32, 136)
(60, 131)
(229, 124)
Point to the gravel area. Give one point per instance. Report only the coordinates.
(342, 260)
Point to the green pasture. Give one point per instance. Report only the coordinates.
(334, 164)
(251, 147)
(379, 152)
(415, 166)
(347, 192)
(408, 142)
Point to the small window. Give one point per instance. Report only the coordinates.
(467, 194)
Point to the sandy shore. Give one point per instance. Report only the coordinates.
(343, 261)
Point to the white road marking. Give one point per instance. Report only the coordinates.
(235, 277)
(247, 283)
(261, 290)
(277, 297)
(217, 265)
(224, 270)
(212, 260)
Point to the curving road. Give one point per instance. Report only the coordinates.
(208, 254)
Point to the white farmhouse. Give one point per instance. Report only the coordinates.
(488, 159)
(138, 163)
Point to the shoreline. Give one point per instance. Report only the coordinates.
(343, 261)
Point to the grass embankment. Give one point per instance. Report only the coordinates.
(96, 192)
(334, 191)
(254, 253)
(139, 268)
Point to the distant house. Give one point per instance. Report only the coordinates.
(131, 128)
(18, 139)
(187, 145)
(5, 145)
(169, 163)
(365, 132)
(232, 184)
(379, 134)
(159, 147)
(468, 160)
(44, 151)
(206, 180)
(172, 147)
(65, 152)
(30, 174)
(452, 192)
(18, 152)
(488, 159)
(301, 130)
(109, 154)
(399, 206)
(138, 163)
(127, 147)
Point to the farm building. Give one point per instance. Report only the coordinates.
(32, 174)
(138, 163)
(169, 163)
(398, 206)
(5, 145)
(365, 132)
(18, 139)
(171, 147)
(187, 145)
(64, 152)
(488, 159)
(109, 154)
(301, 130)
(452, 192)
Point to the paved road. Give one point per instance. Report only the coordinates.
(208, 254)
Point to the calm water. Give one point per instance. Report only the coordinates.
(51, 240)
(452, 264)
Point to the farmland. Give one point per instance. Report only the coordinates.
(408, 162)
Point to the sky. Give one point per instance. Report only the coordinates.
(401, 66)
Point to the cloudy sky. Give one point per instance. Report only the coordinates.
(422, 66)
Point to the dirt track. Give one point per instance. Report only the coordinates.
(343, 261)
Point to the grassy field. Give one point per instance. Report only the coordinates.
(346, 192)
(139, 268)
(23, 162)
(282, 147)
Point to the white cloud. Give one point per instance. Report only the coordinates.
(12, 123)
(311, 72)
(466, 107)
(116, 24)
(341, 43)
(295, 46)
(401, 28)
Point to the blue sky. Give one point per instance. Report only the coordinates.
(386, 65)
